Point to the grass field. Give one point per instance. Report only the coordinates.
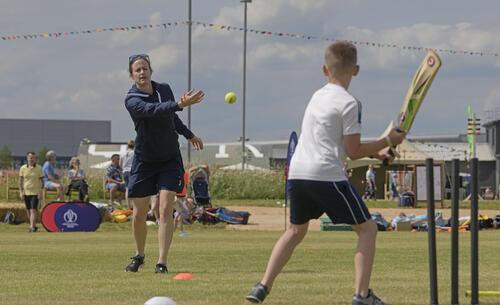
(87, 268)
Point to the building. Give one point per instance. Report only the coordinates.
(62, 136)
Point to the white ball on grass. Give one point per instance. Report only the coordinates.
(160, 301)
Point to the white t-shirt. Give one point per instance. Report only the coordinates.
(370, 176)
(127, 158)
(331, 113)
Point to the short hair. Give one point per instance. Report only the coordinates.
(135, 58)
(50, 154)
(131, 144)
(30, 153)
(340, 57)
(115, 155)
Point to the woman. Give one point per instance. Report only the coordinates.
(157, 166)
(77, 181)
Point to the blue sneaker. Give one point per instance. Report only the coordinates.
(371, 299)
(257, 294)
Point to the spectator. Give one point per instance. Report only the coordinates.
(30, 186)
(371, 186)
(393, 185)
(126, 164)
(114, 178)
(183, 211)
(77, 181)
(51, 180)
(488, 194)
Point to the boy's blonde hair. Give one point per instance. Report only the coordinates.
(341, 57)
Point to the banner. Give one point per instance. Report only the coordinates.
(70, 217)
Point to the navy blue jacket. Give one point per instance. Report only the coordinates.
(156, 123)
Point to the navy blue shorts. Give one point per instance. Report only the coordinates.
(339, 200)
(148, 178)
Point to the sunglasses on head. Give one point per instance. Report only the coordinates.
(133, 58)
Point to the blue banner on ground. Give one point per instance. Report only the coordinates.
(70, 217)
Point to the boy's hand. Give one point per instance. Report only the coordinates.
(397, 136)
(384, 155)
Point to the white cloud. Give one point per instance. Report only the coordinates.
(492, 100)
(307, 6)
(277, 52)
(164, 57)
(131, 37)
(461, 36)
(262, 13)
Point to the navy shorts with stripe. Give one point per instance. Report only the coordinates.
(339, 200)
(148, 178)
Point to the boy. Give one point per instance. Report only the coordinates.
(330, 131)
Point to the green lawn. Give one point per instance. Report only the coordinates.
(87, 268)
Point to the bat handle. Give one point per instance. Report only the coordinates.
(391, 152)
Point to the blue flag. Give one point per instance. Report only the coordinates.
(292, 143)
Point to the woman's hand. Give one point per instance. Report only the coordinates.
(196, 142)
(190, 98)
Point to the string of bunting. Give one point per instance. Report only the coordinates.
(234, 28)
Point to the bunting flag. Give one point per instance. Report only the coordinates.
(235, 28)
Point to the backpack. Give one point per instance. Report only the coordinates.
(9, 218)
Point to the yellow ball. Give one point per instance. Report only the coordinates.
(230, 97)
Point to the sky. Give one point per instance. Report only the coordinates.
(85, 76)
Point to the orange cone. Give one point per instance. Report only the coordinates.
(183, 276)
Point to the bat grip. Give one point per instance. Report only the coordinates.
(391, 152)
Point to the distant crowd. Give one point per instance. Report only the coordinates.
(38, 178)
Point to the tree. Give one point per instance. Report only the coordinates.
(41, 155)
(5, 157)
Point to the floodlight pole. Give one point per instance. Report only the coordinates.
(243, 138)
(190, 23)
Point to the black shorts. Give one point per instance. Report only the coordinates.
(148, 178)
(31, 202)
(339, 200)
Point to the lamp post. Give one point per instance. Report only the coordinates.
(190, 23)
(243, 138)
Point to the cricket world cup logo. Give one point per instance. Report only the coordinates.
(70, 219)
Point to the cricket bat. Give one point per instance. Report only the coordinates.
(417, 91)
